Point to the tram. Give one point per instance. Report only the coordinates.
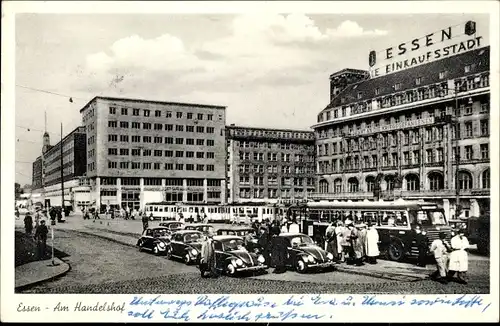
(395, 222)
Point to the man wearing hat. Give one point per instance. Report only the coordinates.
(440, 250)
(41, 239)
(458, 257)
(207, 261)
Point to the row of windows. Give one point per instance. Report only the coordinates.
(158, 182)
(158, 166)
(160, 153)
(374, 124)
(419, 94)
(272, 193)
(158, 113)
(273, 180)
(247, 168)
(386, 160)
(161, 140)
(269, 145)
(159, 126)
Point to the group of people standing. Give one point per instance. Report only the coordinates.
(352, 245)
(451, 257)
(41, 231)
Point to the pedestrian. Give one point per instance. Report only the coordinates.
(41, 239)
(28, 224)
(294, 227)
(362, 239)
(37, 218)
(284, 227)
(339, 230)
(346, 243)
(207, 261)
(264, 242)
(356, 246)
(440, 251)
(458, 257)
(145, 222)
(127, 212)
(371, 244)
(279, 254)
(331, 240)
(205, 218)
(421, 242)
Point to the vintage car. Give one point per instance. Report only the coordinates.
(204, 228)
(231, 257)
(173, 226)
(252, 245)
(303, 254)
(154, 239)
(186, 245)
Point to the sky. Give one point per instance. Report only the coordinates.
(270, 70)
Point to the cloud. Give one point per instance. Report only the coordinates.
(350, 28)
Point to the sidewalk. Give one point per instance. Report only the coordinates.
(39, 271)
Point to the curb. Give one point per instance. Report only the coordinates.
(103, 237)
(378, 275)
(52, 278)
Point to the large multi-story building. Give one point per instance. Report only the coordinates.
(269, 165)
(47, 169)
(419, 133)
(141, 151)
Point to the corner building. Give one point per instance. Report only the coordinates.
(421, 133)
(269, 165)
(141, 151)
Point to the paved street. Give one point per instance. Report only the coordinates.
(99, 265)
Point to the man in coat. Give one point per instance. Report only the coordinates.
(145, 222)
(331, 240)
(28, 224)
(371, 244)
(421, 243)
(279, 254)
(357, 246)
(207, 261)
(458, 257)
(264, 243)
(41, 239)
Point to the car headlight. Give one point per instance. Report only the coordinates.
(161, 245)
(453, 233)
(424, 233)
(239, 262)
(194, 252)
(329, 256)
(261, 259)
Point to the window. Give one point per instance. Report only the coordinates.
(439, 155)
(168, 114)
(416, 157)
(179, 154)
(436, 181)
(135, 112)
(157, 166)
(468, 153)
(353, 185)
(136, 139)
(146, 125)
(158, 152)
(406, 158)
(443, 74)
(189, 115)
(169, 153)
(136, 165)
(412, 182)
(485, 153)
(485, 126)
(169, 166)
(210, 116)
(428, 134)
(189, 128)
(136, 125)
(179, 167)
(157, 113)
(430, 156)
(169, 140)
(136, 152)
(124, 138)
(179, 128)
(200, 129)
(200, 154)
(467, 68)
(189, 154)
(210, 167)
(123, 124)
(146, 113)
(146, 139)
(468, 129)
(189, 167)
(112, 124)
(112, 110)
(377, 91)
(178, 115)
(464, 180)
(112, 151)
(158, 126)
(418, 81)
(200, 167)
(485, 179)
(179, 141)
(124, 111)
(124, 165)
(200, 116)
(210, 155)
(189, 141)
(146, 166)
(210, 142)
(200, 142)
(112, 137)
(158, 140)
(210, 130)
(397, 86)
(146, 152)
(360, 95)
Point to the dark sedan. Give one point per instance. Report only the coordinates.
(173, 226)
(186, 245)
(231, 257)
(155, 240)
(248, 234)
(204, 228)
(303, 254)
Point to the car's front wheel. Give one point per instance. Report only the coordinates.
(168, 252)
(139, 245)
(156, 251)
(300, 266)
(187, 259)
(230, 269)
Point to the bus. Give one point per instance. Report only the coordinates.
(395, 222)
(239, 213)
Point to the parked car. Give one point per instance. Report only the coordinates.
(231, 256)
(304, 254)
(173, 226)
(186, 245)
(478, 232)
(252, 245)
(204, 228)
(155, 239)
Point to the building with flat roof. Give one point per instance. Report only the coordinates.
(141, 151)
(419, 133)
(269, 165)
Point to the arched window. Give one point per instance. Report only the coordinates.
(337, 186)
(485, 179)
(436, 181)
(323, 186)
(390, 182)
(353, 184)
(370, 183)
(412, 182)
(464, 180)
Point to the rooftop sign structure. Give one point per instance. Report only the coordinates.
(446, 42)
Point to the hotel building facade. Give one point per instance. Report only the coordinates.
(269, 165)
(141, 151)
(420, 133)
